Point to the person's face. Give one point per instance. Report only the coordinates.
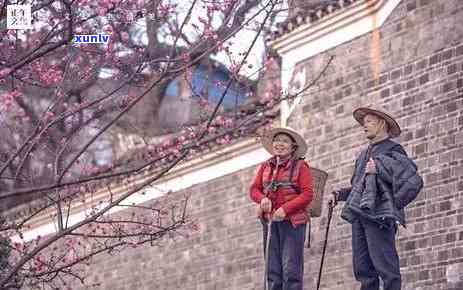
(373, 126)
(283, 146)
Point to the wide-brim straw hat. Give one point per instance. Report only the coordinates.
(267, 140)
(393, 127)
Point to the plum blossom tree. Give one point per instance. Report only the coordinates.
(56, 109)
(53, 118)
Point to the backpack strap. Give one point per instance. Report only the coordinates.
(294, 167)
(270, 174)
(294, 171)
(267, 187)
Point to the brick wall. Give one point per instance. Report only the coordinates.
(225, 253)
(421, 83)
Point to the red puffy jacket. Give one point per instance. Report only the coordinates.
(293, 196)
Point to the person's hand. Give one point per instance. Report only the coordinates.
(279, 214)
(266, 204)
(371, 167)
(333, 199)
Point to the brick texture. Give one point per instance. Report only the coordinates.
(421, 83)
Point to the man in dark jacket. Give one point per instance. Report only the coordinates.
(384, 181)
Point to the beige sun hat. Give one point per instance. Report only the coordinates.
(393, 126)
(267, 140)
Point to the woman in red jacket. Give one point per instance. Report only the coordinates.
(282, 189)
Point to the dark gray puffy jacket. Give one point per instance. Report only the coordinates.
(384, 195)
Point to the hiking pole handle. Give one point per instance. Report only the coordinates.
(330, 210)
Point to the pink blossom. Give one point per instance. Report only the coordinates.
(202, 20)
(4, 72)
(212, 130)
(108, 28)
(267, 96)
(181, 139)
(229, 123)
(124, 36)
(101, 11)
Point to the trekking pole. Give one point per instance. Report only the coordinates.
(269, 231)
(330, 214)
(267, 246)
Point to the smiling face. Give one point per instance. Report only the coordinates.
(283, 145)
(374, 127)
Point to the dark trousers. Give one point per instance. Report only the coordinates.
(374, 255)
(286, 255)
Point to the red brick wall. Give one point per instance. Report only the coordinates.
(421, 83)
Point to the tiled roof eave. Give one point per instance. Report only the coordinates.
(310, 17)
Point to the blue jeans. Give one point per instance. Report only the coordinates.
(374, 255)
(286, 255)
